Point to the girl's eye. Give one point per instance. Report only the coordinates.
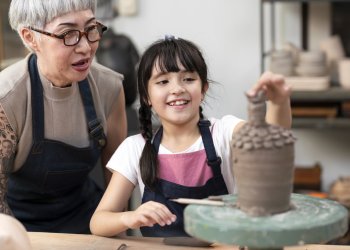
(188, 79)
(162, 82)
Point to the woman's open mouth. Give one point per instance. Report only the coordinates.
(81, 65)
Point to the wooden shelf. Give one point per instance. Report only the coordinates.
(334, 94)
(333, 97)
(321, 123)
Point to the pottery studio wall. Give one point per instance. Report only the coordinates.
(229, 33)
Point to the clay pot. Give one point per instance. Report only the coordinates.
(282, 62)
(263, 163)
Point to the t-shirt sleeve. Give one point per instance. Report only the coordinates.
(222, 130)
(125, 159)
(224, 127)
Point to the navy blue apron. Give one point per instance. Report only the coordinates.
(52, 191)
(165, 190)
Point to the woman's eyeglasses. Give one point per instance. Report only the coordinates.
(72, 37)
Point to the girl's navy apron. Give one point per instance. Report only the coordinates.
(52, 191)
(165, 190)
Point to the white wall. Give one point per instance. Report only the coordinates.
(228, 33)
(226, 30)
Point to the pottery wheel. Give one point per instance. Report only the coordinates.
(311, 220)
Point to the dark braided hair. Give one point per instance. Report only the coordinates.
(167, 54)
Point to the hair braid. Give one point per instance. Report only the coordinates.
(201, 116)
(145, 118)
(148, 159)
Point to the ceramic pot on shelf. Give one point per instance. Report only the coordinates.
(344, 73)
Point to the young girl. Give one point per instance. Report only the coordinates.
(188, 156)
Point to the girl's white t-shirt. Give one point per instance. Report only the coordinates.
(126, 158)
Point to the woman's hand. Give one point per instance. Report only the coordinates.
(148, 214)
(274, 86)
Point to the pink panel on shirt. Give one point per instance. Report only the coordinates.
(188, 169)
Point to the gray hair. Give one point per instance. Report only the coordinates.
(38, 13)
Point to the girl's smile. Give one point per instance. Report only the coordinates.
(178, 102)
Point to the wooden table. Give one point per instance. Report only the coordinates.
(55, 241)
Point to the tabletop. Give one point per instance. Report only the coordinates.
(57, 241)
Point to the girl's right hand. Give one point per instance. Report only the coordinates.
(148, 214)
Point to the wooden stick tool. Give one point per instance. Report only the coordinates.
(199, 202)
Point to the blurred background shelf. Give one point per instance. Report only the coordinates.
(304, 17)
(326, 107)
(321, 123)
(332, 94)
(321, 109)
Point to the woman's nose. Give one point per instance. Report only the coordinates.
(84, 45)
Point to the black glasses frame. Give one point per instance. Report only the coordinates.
(100, 27)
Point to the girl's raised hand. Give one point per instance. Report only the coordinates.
(274, 86)
(148, 214)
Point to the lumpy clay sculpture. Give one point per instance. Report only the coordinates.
(263, 163)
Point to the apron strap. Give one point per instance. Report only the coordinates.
(94, 124)
(213, 160)
(37, 105)
(157, 139)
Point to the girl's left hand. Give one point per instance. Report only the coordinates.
(274, 86)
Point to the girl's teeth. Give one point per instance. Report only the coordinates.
(178, 103)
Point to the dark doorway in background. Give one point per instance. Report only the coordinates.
(341, 23)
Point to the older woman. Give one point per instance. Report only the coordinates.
(61, 111)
